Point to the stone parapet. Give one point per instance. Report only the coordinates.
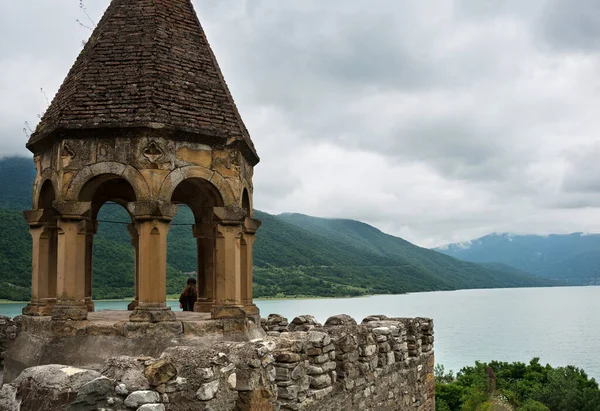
(381, 364)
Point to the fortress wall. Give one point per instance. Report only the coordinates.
(381, 364)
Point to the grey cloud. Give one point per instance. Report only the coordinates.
(571, 25)
(439, 121)
(583, 173)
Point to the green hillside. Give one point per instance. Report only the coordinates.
(572, 258)
(294, 254)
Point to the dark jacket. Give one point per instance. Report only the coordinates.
(188, 298)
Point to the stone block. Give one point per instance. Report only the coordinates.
(328, 348)
(342, 319)
(303, 323)
(384, 347)
(321, 359)
(318, 339)
(139, 398)
(320, 381)
(368, 350)
(329, 366)
(314, 351)
(322, 393)
(314, 370)
(207, 391)
(298, 372)
(152, 407)
(160, 372)
(288, 393)
(288, 357)
(282, 374)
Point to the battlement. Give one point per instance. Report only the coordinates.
(380, 364)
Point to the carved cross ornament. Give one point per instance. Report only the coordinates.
(153, 152)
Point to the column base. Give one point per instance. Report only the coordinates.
(133, 305)
(90, 304)
(252, 312)
(70, 310)
(227, 311)
(251, 309)
(203, 306)
(152, 313)
(39, 308)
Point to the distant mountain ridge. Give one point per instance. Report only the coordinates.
(572, 258)
(294, 254)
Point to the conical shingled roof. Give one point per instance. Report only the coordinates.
(147, 64)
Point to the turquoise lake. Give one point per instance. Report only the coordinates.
(560, 325)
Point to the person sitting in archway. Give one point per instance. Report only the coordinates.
(188, 297)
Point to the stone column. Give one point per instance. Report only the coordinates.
(152, 297)
(71, 270)
(228, 263)
(43, 272)
(92, 229)
(247, 242)
(205, 243)
(135, 243)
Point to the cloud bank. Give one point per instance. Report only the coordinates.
(436, 121)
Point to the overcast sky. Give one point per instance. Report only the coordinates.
(437, 121)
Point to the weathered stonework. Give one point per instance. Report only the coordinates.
(381, 364)
(144, 120)
(8, 333)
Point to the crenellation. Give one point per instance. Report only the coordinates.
(342, 365)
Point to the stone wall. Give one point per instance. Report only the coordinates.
(381, 364)
(8, 333)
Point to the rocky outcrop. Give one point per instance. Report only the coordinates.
(381, 364)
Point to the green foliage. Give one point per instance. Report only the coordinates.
(439, 372)
(441, 405)
(532, 405)
(525, 387)
(294, 254)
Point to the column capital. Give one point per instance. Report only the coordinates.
(231, 215)
(40, 217)
(73, 210)
(152, 210)
(251, 225)
(229, 230)
(83, 226)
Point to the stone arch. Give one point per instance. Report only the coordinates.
(107, 188)
(45, 196)
(246, 202)
(46, 176)
(126, 172)
(184, 173)
(200, 195)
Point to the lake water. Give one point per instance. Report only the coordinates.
(560, 325)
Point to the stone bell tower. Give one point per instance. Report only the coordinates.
(144, 119)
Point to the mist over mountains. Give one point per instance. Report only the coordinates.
(571, 258)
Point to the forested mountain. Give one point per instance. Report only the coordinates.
(294, 254)
(572, 258)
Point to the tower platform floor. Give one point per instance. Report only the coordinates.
(107, 334)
